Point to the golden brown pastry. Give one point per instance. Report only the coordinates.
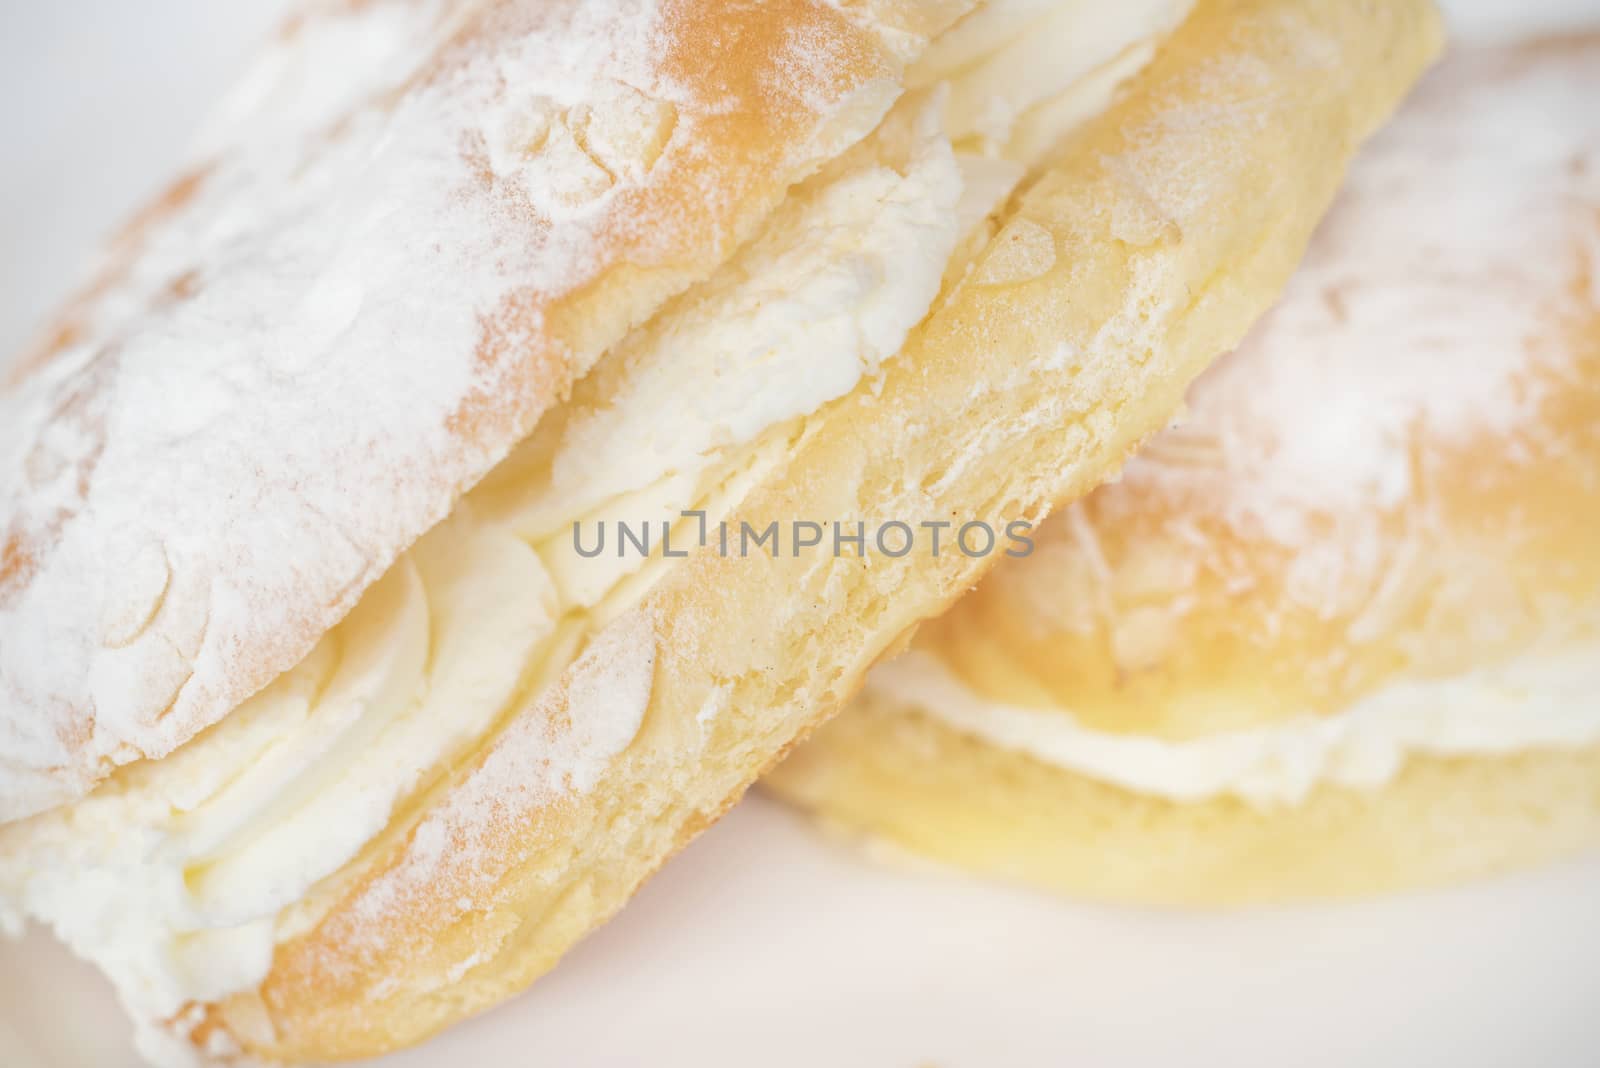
(1338, 631)
(323, 728)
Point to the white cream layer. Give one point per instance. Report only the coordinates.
(1538, 701)
(179, 877)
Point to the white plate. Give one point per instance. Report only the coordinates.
(765, 943)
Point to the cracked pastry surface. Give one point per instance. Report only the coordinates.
(365, 745)
(1337, 630)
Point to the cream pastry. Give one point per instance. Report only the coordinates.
(1338, 630)
(322, 727)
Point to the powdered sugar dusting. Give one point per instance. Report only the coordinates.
(1422, 314)
(331, 57)
(351, 297)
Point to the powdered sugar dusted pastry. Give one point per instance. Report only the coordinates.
(1339, 629)
(322, 730)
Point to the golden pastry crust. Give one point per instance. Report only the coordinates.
(1162, 232)
(140, 598)
(1235, 579)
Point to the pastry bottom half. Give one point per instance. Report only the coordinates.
(894, 775)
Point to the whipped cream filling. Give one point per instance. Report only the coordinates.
(1024, 72)
(179, 877)
(1542, 700)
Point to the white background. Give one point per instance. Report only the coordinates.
(766, 944)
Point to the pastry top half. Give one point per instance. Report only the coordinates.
(419, 223)
(945, 263)
(1373, 533)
